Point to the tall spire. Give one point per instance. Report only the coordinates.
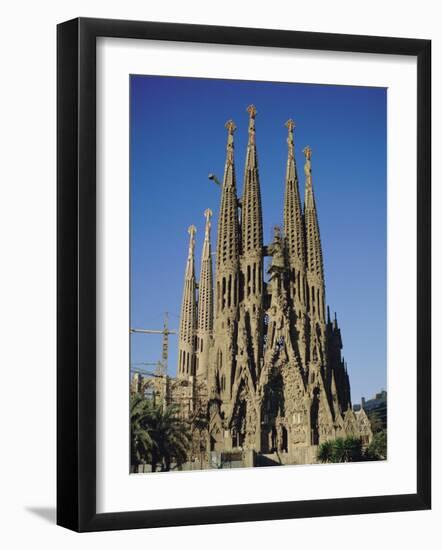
(227, 255)
(227, 276)
(251, 223)
(252, 252)
(293, 220)
(205, 301)
(228, 227)
(313, 244)
(188, 319)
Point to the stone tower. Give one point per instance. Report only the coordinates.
(251, 260)
(188, 318)
(315, 271)
(227, 275)
(294, 233)
(275, 382)
(205, 303)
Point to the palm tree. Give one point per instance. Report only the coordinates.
(375, 422)
(325, 452)
(170, 437)
(158, 435)
(198, 424)
(341, 450)
(352, 449)
(377, 450)
(141, 441)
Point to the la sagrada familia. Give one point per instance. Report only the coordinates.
(260, 351)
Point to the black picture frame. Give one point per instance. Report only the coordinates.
(76, 274)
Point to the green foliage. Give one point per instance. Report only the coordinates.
(349, 449)
(158, 435)
(341, 450)
(141, 441)
(375, 422)
(377, 450)
(325, 452)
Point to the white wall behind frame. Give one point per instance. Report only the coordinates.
(27, 229)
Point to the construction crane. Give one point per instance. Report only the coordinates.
(161, 365)
(142, 383)
(134, 368)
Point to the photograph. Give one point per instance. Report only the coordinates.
(258, 274)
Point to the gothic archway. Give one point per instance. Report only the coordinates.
(239, 419)
(272, 407)
(314, 418)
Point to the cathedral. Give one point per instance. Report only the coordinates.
(257, 347)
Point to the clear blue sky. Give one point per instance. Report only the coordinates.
(177, 137)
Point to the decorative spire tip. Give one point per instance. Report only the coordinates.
(251, 109)
(307, 152)
(230, 126)
(290, 124)
(207, 214)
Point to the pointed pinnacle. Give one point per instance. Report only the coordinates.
(230, 126)
(251, 109)
(208, 214)
(190, 257)
(307, 152)
(252, 112)
(290, 124)
(191, 230)
(308, 166)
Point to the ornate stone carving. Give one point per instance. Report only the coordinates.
(275, 376)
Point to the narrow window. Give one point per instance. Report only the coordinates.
(235, 289)
(319, 303)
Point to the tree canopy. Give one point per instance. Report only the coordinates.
(159, 436)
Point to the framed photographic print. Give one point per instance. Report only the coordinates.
(243, 274)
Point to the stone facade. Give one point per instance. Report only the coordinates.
(260, 354)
